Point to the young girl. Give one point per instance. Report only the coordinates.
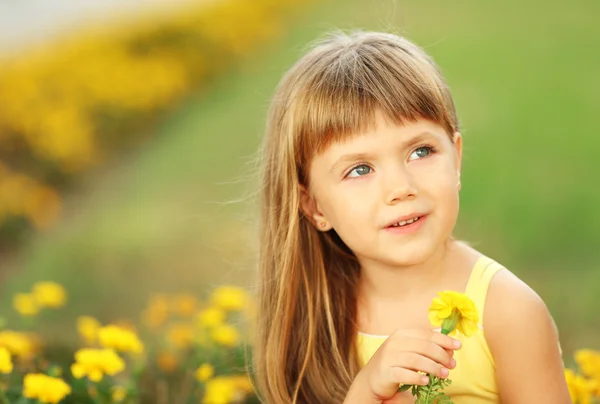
(360, 194)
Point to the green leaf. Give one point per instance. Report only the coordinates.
(404, 387)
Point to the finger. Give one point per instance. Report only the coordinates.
(427, 349)
(416, 362)
(402, 375)
(452, 363)
(404, 397)
(442, 340)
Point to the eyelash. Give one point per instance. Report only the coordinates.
(432, 150)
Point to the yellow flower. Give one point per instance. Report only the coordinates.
(579, 388)
(45, 388)
(226, 335)
(243, 383)
(25, 304)
(6, 365)
(454, 311)
(181, 335)
(157, 311)
(112, 336)
(184, 305)
(211, 317)
(88, 328)
(221, 390)
(167, 362)
(204, 372)
(589, 362)
(118, 393)
(229, 298)
(95, 363)
(18, 343)
(49, 294)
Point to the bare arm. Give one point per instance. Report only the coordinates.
(524, 342)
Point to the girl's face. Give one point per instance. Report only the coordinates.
(372, 187)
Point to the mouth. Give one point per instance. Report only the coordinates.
(407, 222)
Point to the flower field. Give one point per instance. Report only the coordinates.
(180, 350)
(69, 105)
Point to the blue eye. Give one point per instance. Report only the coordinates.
(421, 152)
(359, 171)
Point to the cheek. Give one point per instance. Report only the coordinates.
(447, 199)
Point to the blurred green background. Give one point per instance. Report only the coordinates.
(172, 209)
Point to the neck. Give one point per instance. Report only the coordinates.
(383, 281)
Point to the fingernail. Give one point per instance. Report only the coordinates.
(452, 363)
(425, 380)
(444, 372)
(457, 344)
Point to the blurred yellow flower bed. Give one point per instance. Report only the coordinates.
(181, 350)
(65, 106)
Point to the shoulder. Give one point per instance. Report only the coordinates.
(523, 340)
(514, 307)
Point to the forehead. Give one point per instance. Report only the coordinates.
(383, 135)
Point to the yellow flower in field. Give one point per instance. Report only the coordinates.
(18, 343)
(120, 339)
(181, 335)
(229, 298)
(6, 365)
(589, 362)
(157, 311)
(49, 294)
(243, 383)
(167, 361)
(221, 390)
(45, 388)
(226, 335)
(95, 363)
(88, 328)
(579, 387)
(211, 317)
(118, 393)
(184, 305)
(204, 372)
(25, 304)
(454, 311)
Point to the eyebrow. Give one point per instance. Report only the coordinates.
(350, 157)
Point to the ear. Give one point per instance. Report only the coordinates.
(310, 209)
(458, 146)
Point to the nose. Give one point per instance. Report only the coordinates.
(398, 185)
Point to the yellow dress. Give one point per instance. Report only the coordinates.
(474, 377)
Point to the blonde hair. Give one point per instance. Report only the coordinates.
(305, 345)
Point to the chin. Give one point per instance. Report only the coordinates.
(409, 255)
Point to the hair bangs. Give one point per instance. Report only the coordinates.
(352, 82)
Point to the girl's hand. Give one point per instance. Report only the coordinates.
(397, 362)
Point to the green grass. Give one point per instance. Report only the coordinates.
(525, 78)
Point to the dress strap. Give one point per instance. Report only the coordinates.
(482, 273)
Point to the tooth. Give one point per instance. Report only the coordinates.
(402, 223)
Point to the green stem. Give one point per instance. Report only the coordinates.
(96, 396)
(431, 379)
(3, 397)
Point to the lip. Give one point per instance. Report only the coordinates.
(409, 228)
(405, 217)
